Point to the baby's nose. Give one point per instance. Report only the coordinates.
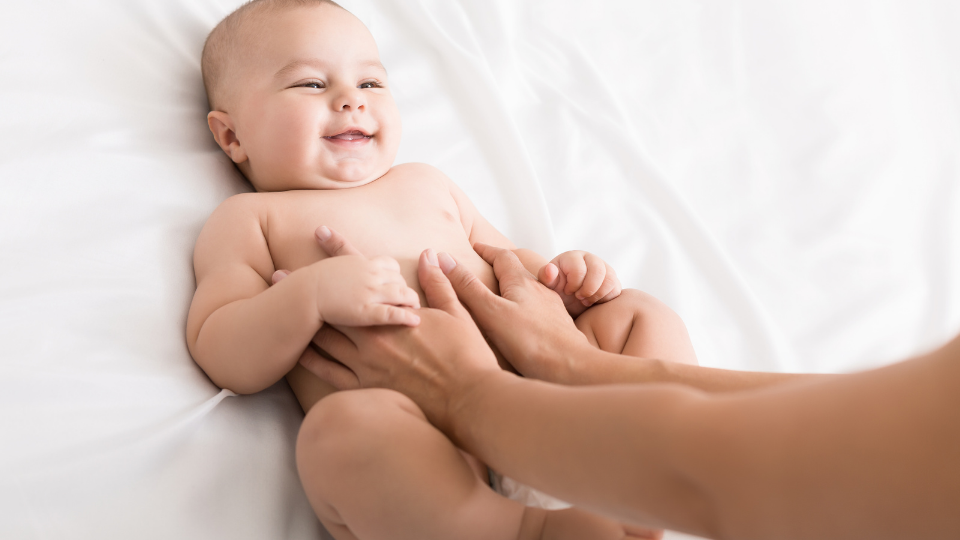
(350, 100)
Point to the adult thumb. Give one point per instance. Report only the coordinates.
(436, 287)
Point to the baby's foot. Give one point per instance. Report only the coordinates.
(576, 524)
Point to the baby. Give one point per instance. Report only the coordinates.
(300, 102)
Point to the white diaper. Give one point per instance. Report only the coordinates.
(511, 489)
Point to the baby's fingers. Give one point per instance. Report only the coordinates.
(386, 263)
(611, 289)
(548, 275)
(574, 271)
(383, 314)
(596, 271)
(398, 294)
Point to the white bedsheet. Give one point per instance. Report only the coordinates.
(784, 174)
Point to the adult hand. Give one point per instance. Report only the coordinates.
(528, 323)
(431, 363)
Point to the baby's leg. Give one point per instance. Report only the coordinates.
(374, 468)
(637, 324)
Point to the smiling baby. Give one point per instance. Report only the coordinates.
(300, 102)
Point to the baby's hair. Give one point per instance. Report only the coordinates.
(223, 41)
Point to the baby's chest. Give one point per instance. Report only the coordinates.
(376, 222)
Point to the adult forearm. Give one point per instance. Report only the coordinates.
(249, 344)
(609, 448)
(864, 456)
(593, 366)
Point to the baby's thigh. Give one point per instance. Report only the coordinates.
(371, 465)
(637, 324)
(346, 426)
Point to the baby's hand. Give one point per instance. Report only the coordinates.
(353, 290)
(581, 279)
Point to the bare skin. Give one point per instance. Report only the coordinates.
(379, 443)
(871, 455)
(311, 123)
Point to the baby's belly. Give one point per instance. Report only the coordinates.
(309, 388)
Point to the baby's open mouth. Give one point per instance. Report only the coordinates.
(351, 135)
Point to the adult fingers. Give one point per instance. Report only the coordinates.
(436, 286)
(332, 372)
(596, 271)
(487, 252)
(469, 289)
(506, 265)
(336, 345)
(278, 275)
(643, 532)
(333, 243)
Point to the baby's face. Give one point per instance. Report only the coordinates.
(312, 109)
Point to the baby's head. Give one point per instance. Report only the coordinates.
(298, 96)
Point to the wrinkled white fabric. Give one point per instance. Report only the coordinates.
(784, 174)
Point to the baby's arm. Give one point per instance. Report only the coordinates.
(480, 230)
(245, 334)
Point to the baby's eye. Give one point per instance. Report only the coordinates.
(312, 84)
(370, 84)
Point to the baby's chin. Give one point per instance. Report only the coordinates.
(342, 183)
(350, 178)
(343, 178)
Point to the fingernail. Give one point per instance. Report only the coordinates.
(323, 233)
(432, 258)
(446, 262)
(579, 297)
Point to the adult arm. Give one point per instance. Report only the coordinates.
(870, 455)
(551, 348)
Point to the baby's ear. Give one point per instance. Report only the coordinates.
(221, 125)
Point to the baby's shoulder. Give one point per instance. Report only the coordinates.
(242, 217)
(239, 207)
